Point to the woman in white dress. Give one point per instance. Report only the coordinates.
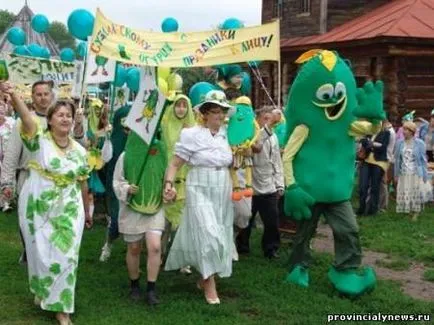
(205, 235)
(52, 210)
(411, 172)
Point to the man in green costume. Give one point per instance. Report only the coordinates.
(319, 163)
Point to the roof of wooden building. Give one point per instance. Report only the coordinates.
(23, 20)
(397, 19)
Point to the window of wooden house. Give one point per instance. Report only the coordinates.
(305, 6)
(277, 8)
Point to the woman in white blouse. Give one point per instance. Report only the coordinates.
(204, 238)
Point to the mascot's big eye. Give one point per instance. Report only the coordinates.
(325, 92)
(340, 90)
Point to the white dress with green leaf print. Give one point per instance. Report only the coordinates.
(51, 217)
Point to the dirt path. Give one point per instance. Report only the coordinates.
(412, 282)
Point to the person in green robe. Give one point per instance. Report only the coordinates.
(177, 116)
(118, 139)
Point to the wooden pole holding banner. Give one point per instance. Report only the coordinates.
(113, 95)
(279, 85)
(279, 73)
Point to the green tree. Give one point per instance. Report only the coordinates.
(193, 75)
(6, 18)
(60, 34)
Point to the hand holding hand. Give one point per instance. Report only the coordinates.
(88, 221)
(169, 193)
(133, 189)
(7, 192)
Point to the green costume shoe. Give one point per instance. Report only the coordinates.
(299, 275)
(351, 282)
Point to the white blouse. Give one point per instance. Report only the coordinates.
(199, 148)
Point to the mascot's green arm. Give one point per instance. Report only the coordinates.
(295, 142)
(362, 128)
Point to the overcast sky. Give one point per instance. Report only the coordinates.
(192, 15)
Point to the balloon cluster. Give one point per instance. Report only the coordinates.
(169, 82)
(17, 37)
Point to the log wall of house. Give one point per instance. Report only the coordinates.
(418, 89)
(341, 11)
(295, 23)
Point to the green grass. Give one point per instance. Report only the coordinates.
(255, 294)
(428, 275)
(397, 265)
(396, 235)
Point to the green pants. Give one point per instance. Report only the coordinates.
(342, 220)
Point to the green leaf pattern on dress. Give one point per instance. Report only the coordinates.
(55, 268)
(63, 234)
(42, 206)
(71, 209)
(39, 286)
(32, 144)
(55, 163)
(70, 279)
(57, 307)
(30, 208)
(66, 297)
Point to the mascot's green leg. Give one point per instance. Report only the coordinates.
(299, 276)
(345, 274)
(301, 254)
(353, 283)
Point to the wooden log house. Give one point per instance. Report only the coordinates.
(388, 40)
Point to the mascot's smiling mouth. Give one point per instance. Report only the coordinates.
(333, 111)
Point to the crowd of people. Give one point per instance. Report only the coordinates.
(53, 161)
(54, 158)
(397, 161)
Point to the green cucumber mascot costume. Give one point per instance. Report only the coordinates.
(319, 163)
(242, 134)
(147, 172)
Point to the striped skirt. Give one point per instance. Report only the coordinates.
(204, 237)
